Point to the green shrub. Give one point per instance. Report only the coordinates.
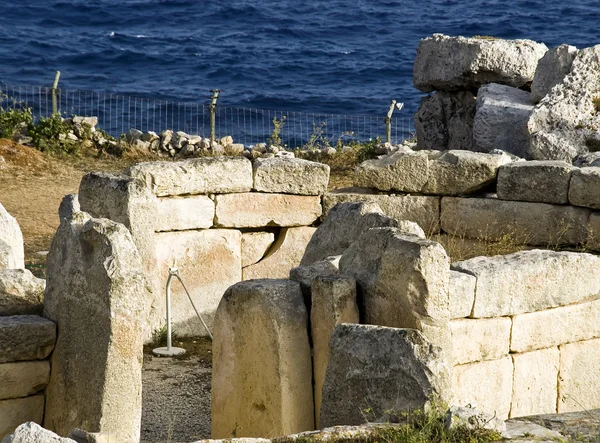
(11, 120)
(52, 135)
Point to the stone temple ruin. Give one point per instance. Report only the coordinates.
(334, 308)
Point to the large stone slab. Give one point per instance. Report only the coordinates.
(535, 385)
(536, 181)
(461, 290)
(501, 119)
(333, 302)
(96, 292)
(26, 337)
(285, 254)
(579, 376)
(12, 254)
(262, 369)
(530, 281)
(255, 245)
(477, 340)
(458, 63)
(24, 378)
(207, 175)
(16, 411)
(209, 261)
(530, 223)
(402, 171)
(255, 210)
(290, 176)
(344, 223)
(31, 432)
(379, 369)
(552, 68)
(21, 292)
(584, 189)
(487, 384)
(181, 213)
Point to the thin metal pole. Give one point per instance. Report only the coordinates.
(169, 343)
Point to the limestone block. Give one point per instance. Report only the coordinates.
(569, 324)
(458, 63)
(444, 121)
(255, 245)
(593, 239)
(16, 411)
(421, 209)
(24, 378)
(585, 187)
(290, 176)
(26, 337)
(343, 225)
(536, 181)
(461, 290)
(333, 302)
(530, 281)
(487, 384)
(462, 172)
(21, 292)
(31, 432)
(530, 223)
(207, 175)
(476, 340)
(180, 213)
(68, 205)
(304, 275)
(402, 171)
(379, 369)
(471, 418)
(535, 384)
(96, 292)
(13, 254)
(501, 119)
(579, 376)
(262, 369)
(552, 68)
(209, 261)
(254, 210)
(529, 432)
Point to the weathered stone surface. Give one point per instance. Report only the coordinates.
(584, 189)
(207, 175)
(81, 436)
(26, 337)
(21, 292)
(476, 340)
(593, 238)
(536, 181)
(17, 411)
(333, 302)
(323, 268)
(285, 254)
(423, 210)
(180, 213)
(445, 121)
(552, 68)
(209, 261)
(530, 281)
(254, 210)
(290, 176)
(487, 384)
(409, 227)
(579, 381)
(565, 121)
(255, 245)
(21, 379)
(528, 432)
(68, 206)
(457, 63)
(501, 119)
(31, 432)
(461, 290)
(535, 382)
(12, 252)
(262, 369)
(577, 322)
(530, 223)
(343, 225)
(96, 293)
(469, 417)
(380, 369)
(402, 171)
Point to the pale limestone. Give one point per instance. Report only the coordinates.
(21, 379)
(529, 432)
(487, 384)
(461, 290)
(290, 176)
(552, 68)
(535, 382)
(17, 411)
(181, 213)
(26, 337)
(255, 245)
(529, 281)
(304, 275)
(31, 432)
(469, 417)
(480, 339)
(584, 189)
(13, 254)
(579, 376)
(262, 369)
(21, 292)
(402, 171)
(255, 210)
(543, 181)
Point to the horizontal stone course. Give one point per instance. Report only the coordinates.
(290, 176)
(535, 382)
(535, 181)
(480, 339)
(585, 187)
(579, 376)
(20, 379)
(26, 337)
(21, 292)
(16, 411)
(461, 290)
(182, 213)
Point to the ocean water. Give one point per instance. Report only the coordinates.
(325, 56)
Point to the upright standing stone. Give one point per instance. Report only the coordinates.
(68, 206)
(12, 254)
(96, 292)
(262, 372)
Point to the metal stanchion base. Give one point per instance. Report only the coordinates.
(166, 352)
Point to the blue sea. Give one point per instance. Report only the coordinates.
(324, 56)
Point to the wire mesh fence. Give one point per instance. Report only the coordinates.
(117, 113)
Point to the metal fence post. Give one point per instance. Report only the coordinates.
(54, 87)
(213, 109)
